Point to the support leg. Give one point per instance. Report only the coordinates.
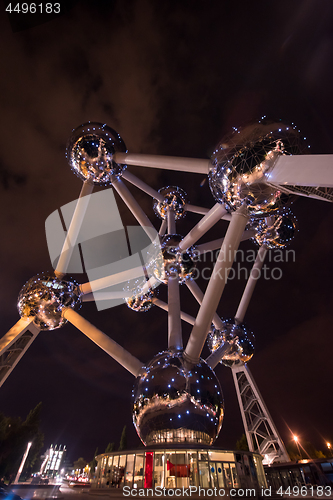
(216, 285)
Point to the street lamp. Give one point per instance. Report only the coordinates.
(329, 446)
(22, 463)
(295, 438)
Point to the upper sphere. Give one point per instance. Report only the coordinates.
(241, 162)
(90, 152)
(176, 404)
(44, 296)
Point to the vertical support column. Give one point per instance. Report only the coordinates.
(174, 315)
(261, 433)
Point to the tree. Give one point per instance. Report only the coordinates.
(80, 463)
(123, 440)
(109, 448)
(242, 444)
(93, 464)
(305, 449)
(14, 437)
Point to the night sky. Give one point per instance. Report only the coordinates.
(172, 78)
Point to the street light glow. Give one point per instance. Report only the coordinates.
(295, 439)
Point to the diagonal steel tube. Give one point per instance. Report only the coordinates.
(74, 228)
(184, 316)
(216, 356)
(216, 285)
(198, 295)
(250, 285)
(128, 176)
(134, 207)
(115, 279)
(203, 226)
(123, 357)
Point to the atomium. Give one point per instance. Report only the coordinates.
(276, 231)
(44, 296)
(175, 200)
(90, 152)
(175, 403)
(242, 161)
(177, 397)
(172, 262)
(240, 339)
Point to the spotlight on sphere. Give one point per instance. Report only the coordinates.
(276, 231)
(44, 296)
(242, 161)
(90, 152)
(238, 336)
(175, 404)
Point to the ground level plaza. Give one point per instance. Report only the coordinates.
(178, 468)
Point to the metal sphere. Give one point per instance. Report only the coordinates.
(90, 152)
(241, 339)
(174, 198)
(141, 303)
(175, 404)
(44, 296)
(242, 161)
(276, 231)
(172, 262)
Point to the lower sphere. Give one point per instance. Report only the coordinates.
(176, 404)
(44, 296)
(238, 336)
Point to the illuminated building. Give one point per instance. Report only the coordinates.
(53, 460)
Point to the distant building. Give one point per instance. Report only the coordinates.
(53, 460)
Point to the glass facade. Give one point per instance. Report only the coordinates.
(178, 468)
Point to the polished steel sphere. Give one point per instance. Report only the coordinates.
(172, 262)
(176, 404)
(141, 303)
(241, 162)
(238, 336)
(174, 199)
(90, 152)
(276, 231)
(44, 296)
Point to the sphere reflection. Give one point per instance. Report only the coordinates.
(141, 303)
(242, 161)
(276, 231)
(172, 262)
(238, 336)
(44, 296)
(174, 198)
(90, 152)
(173, 403)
